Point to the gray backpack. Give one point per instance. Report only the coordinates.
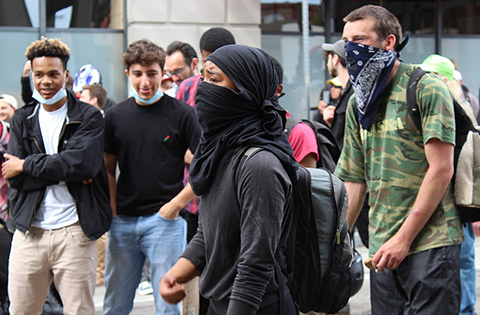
(320, 248)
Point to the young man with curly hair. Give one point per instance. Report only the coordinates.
(147, 135)
(56, 166)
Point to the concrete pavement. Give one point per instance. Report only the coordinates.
(359, 304)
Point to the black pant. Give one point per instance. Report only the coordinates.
(5, 244)
(272, 309)
(427, 282)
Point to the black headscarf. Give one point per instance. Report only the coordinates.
(248, 117)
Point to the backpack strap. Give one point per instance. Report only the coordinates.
(291, 122)
(412, 104)
(247, 155)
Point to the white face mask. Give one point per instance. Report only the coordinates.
(57, 97)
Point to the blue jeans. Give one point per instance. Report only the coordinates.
(131, 239)
(468, 272)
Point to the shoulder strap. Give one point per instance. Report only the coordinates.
(291, 122)
(248, 154)
(412, 104)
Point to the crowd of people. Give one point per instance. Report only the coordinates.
(95, 192)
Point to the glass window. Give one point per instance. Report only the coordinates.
(103, 50)
(461, 17)
(286, 16)
(78, 13)
(287, 49)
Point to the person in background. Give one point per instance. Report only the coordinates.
(415, 229)
(445, 68)
(94, 95)
(8, 106)
(302, 138)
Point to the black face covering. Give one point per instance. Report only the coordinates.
(249, 117)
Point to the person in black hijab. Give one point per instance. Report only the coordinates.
(239, 248)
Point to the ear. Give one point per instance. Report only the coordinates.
(279, 90)
(335, 59)
(390, 41)
(126, 73)
(94, 100)
(194, 64)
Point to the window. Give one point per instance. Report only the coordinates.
(286, 16)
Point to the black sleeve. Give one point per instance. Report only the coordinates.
(26, 90)
(23, 181)
(82, 157)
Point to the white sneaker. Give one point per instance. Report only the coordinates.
(145, 288)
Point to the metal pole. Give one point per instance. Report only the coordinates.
(42, 18)
(306, 53)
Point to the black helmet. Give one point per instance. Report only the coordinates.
(356, 272)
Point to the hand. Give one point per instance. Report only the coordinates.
(171, 291)
(321, 106)
(391, 254)
(12, 166)
(27, 68)
(169, 211)
(329, 114)
(87, 181)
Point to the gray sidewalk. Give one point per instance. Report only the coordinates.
(359, 304)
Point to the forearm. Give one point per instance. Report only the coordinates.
(356, 195)
(112, 185)
(183, 271)
(429, 196)
(182, 198)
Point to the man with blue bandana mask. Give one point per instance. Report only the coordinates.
(147, 135)
(415, 230)
(55, 164)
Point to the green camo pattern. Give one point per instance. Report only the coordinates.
(390, 159)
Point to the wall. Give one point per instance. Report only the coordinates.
(164, 21)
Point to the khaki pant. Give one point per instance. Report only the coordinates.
(65, 255)
(101, 254)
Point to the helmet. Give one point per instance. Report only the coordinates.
(86, 75)
(356, 272)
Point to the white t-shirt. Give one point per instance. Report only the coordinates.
(57, 208)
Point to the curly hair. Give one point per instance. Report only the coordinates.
(48, 47)
(144, 52)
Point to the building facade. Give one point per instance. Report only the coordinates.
(98, 32)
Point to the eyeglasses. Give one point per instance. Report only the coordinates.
(176, 72)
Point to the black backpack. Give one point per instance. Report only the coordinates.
(328, 148)
(464, 129)
(320, 247)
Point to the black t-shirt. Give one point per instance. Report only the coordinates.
(150, 143)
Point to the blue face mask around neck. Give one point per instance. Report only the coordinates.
(149, 101)
(57, 97)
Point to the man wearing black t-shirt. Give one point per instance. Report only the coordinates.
(148, 135)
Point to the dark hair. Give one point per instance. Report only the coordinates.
(384, 22)
(215, 38)
(97, 91)
(342, 59)
(186, 49)
(144, 52)
(49, 47)
(278, 69)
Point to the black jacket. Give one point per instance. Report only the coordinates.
(80, 158)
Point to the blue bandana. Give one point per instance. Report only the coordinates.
(368, 68)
